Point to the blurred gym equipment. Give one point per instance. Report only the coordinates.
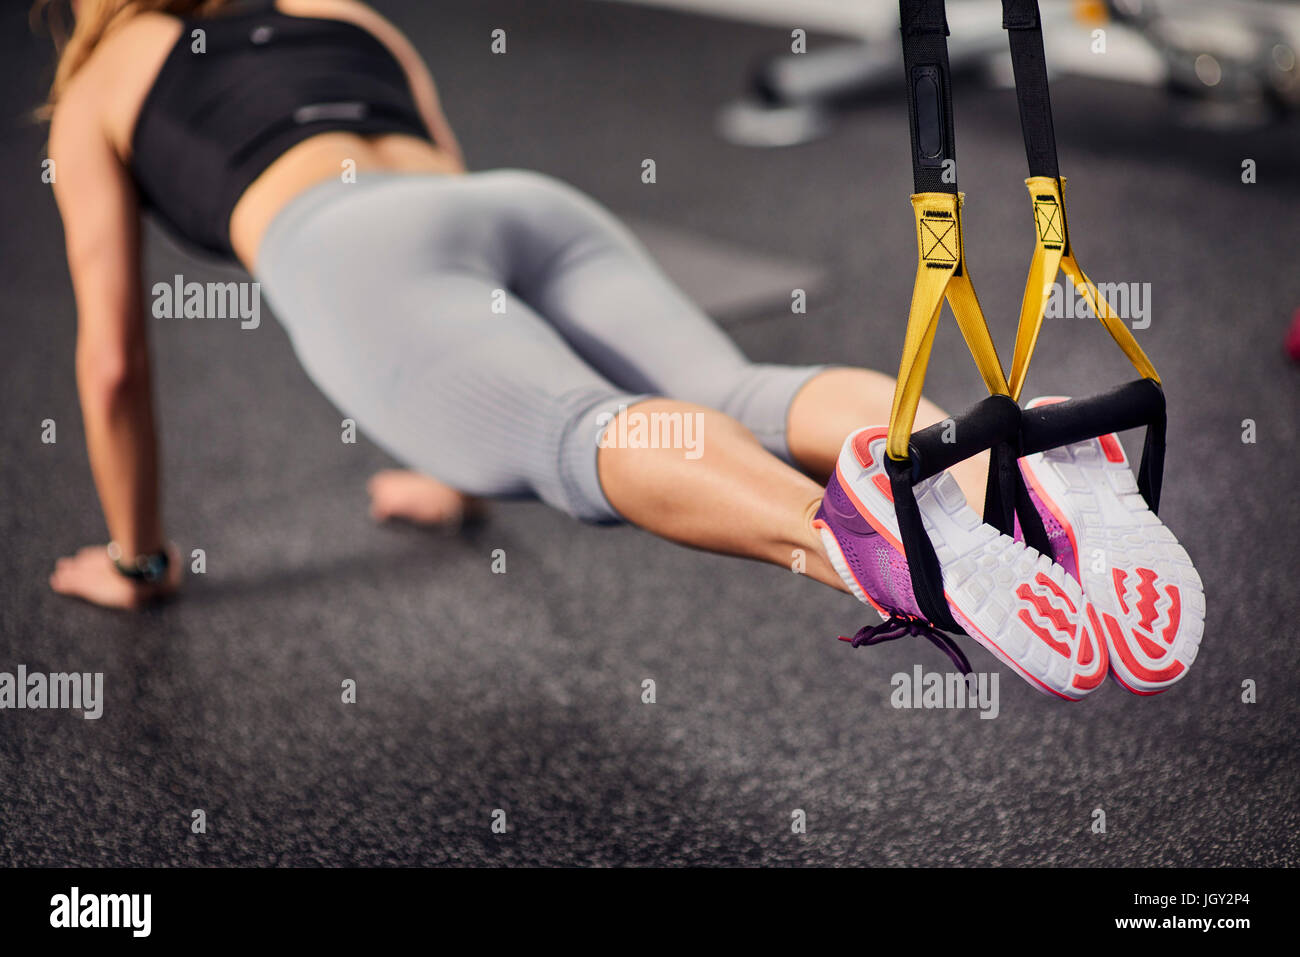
(1227, 65)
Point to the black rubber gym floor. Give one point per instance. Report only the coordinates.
(522, 691)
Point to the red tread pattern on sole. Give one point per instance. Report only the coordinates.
(1111, 447)
(1175, 614)
(1135, 668)
(1118, 576)
(1087, 637)
(1147, 598)
(862, 446)
(1060, 593)
(1047, 638)
(1085, 646)
(882, 483)
(1044, 607)
(1149, 647)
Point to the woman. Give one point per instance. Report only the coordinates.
(497, 331)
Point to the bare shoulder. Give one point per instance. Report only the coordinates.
(141, 34)
(113, 83)
(354, 10)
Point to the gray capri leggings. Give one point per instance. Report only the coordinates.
(482, 328)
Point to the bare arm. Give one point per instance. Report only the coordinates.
(98, 204)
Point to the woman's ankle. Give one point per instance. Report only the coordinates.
(815, 562)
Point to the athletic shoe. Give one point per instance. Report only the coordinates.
(1018, 604)
(1132, 569)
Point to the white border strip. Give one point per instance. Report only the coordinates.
(829, 16)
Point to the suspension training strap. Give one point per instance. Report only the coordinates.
(941, 270)
(1052, 252)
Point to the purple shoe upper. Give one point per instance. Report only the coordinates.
(1057, 536)
(882, 573)
(878, 567)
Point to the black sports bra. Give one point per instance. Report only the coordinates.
(227, 103)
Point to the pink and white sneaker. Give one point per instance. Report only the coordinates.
(1132, 569)
(1018, 604)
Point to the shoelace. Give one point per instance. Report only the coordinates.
(902, 625)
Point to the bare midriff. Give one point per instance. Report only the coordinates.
(315, 160)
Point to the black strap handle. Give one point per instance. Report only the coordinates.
(1129, 406)
(929, 94)
(941, 446)
(993, 423)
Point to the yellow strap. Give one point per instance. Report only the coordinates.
(1050, 258)
(1116, 326)
(970, 318)
(1049, 227)
(940, 272)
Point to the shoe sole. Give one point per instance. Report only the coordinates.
(1020, 605)
(1134, 572)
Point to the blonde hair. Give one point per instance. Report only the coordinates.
(76, 35)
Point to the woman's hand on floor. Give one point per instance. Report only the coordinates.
(91, 575)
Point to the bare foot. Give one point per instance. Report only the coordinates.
(399, 493)
(90, 574)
